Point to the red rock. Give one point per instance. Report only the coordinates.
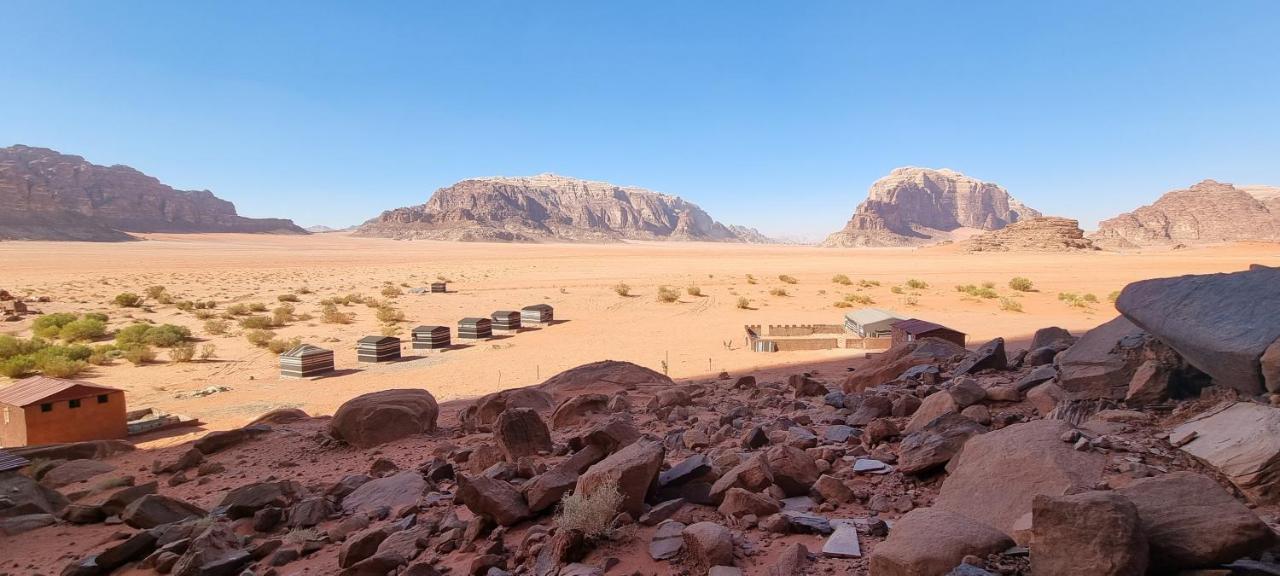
(792, 469)
(1065, 536)
(521, 432)
(708, 544)
(493, 499)
(633, 471)
(380, 417)
(929, 541)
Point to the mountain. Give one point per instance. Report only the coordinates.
(45, 195)
(552, 208)
(321, 229)
(1044, 234)
(1207, 212)
(914, 206)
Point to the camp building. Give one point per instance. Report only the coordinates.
(41, 410)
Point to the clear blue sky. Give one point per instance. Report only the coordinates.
(776, 115)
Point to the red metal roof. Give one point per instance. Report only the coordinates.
(35, 389)
(916, 326)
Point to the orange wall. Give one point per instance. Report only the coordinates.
(91, 421)
(13, 432)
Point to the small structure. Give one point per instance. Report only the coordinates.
(537, 314)
(908, 330)
(306, 361)
(506, 320)
(13, 308)
(439, 287)
(871, 322)
(10, 462)
(475, 328)
(430, 337)
(378, 349)
(41, 410)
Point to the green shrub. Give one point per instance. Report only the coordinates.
(83, 330)
(216, 327)
(166, 335)
(139, 354)
(280, 345)
(259, 338)
(132, 334)
(668, 294)
(127, 300)
(102, 355)
(1021, 284)
(17, 366)
(1113, 296)
(1090, 298)
(841, 279)
(915, 284)
(989, 285)
(185, 305)
(1010, 305)
(256, 322)
(50, 325)
(238, 309)
(10, 346)
(96, 316)
(204, 314)
(622, 289)
(389, 315)
(55, 366)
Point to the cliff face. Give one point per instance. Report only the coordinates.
(45, 195)
(1044, 234)
(551, 208)
(915, 206)
(1205, 213)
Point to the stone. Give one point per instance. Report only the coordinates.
(1189, 520)
(1149, 384)
(395, 492)
(707, 544)
(1102, 362)
(832, 489)
(1065, 535)
(1028, 459)
(521, 432)
(724, 571)
(870, 408)
(869, 466)
(804, 386)
(1270, 362)
(25, 496)
(688, 469)
(1045, 397)
(933, 406)
(749, 474)
(989, 356)
(978, 413)
(843, 542)
(793, 560)
(280, 416)
(242, 502)
(1036, 376)
(791, 469)
(218, 441)
(1044, 234)
(379, 417)
(933, 541)
(804, 522)
(310, 512)
(493, 499)
(880, 430)
(1240, 440)
(215, 551)
(754, 437)
(379, 564)
(114, 503)
(484, 412)
(578, 410)
(17, 524)
(667, 541)
(74, 472)
(137, 546)
(738, 503)
(934, 445)
(612, 435)
(966, 392)
(1052, 337)
(545, 490)
(153, 510)
(361, 545)
(662, 511)
(633, 471)
(887, 366)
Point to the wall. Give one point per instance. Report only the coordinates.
(91, 421)
(13, 429)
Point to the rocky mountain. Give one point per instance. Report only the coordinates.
(1207, 212)
(45, 195)
(1044, 234)
(554, 208)
(915, 206)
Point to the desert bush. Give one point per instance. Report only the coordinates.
(843, 304)
(304, 289)
(787, 279)
(989, 285)
(238, 309)
(50, 325)
(912, 301)
(102, 355)
(83, 330)
(216, 327)
(257, 307)
(976, 292)
(862, 299)
(55, 366)
(668, 294)
(282, 314)
(96, 316)
(390, 330)
(329, 314)
(897, 290)
(868, 283)
(132, 334)
(256, 322)
(183, 352)
(592, 514)
(1010, 305)
(127, 300)
(841, 279)
(154, 292)
(139, 354)
(622, 289)
(391, 292)
(694, 291)
(389, 315)
(744, 303)
(259, 338)
(1074, 300)
(1021, 284)
(185, 305)
(916, 284)
(751, 279)
(1090, 298)
(288, 298)
(779, 291)
(1113, 296)
(166, 335)
(280, 345)
(17, 366)
(207, 350)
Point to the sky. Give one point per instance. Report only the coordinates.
(777, 115)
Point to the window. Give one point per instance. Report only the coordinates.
(74, 403)
(46, 407)
(102, 398)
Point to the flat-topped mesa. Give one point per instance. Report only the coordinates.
(552, 208)
(1044, 234)
(1206, 213)
(916, 206)
(46, 195)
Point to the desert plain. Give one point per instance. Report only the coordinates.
(695, 337)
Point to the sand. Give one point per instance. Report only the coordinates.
(695, 337)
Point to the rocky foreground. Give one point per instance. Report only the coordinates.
(1145, 446)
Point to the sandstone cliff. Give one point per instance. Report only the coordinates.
(554, 208)
(1044, 234)
(915, 206)
(1207, 212)
(45, 195)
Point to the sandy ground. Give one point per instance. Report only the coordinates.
(697, 336)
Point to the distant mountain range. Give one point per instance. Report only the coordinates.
(1207, 212)
(45, 195)
(551, 208)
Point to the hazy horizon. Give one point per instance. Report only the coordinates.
(777, 117)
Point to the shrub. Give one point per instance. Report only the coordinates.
(1090, 298)
(154, 292)
(132, 334)
(912, 301)
(843, 304)
(744, 303)
(139, 354)
(282, 314)
(694, 291)
(989, 285)
(96, 316)
(329, 314)
(83, 330)
(897, 290)
(668, 294)
(389, 315)
(207, 350)
(1074, 300)
(280, 345)
(10, 346)
(868, 283)
(915, 284)
(237, 309)
(862, 299)
(1113, 296)
(259, 338)
(55, 366)
(185, 305)
(256, 322)
(592, 514)
(183, 352)
(751, 279)
(216, 327)
(127, 300)
(257, 307)
(204, 314)
(50, 325)
(102, 355)
(166, 335)
(1021, 284)
(391, 292)
(17, 366)
(787, 279)
(779, 291)
(841, 279)
(622, 289)
(288, 298)
(1010, 305)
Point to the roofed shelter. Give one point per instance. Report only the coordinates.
(42, 410)
(306, 361)
(871, 322)
(915, 329)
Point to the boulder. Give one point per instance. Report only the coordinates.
(1271, 367)
(1242, 441)
(749, 474)
(793, 560)
(395, 491)
(380, 417)
(610, 435)
(989, 356)
(484, 412)
(708, 544)
(933, 406)
(930, 541)
(23, 496)
(1045, 397)
(966, 392)
(605, 375)
(889, 365)
(1102, 362)
(136, 547)
(578, 410)
(545, 490)
(994, 479)
(1037, 376)
(633, 471)
(242, 502)
(521, 432)
(802, 385)
(218, 441)
(738, 503)
(74, 471)
(935, 444)
(791, 469)
(1149, 384)
(1096, 533)
(1190, 521)
(667, 541)
(280, 416)
(153, 510)
(1220, 323)
(214, 552)
(1052, 337)
(89, 449)
(493, 499)
(14, 525)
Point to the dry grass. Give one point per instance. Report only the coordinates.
(592, 514)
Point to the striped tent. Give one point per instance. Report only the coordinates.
(430, 337)
(506, 320)
(475, 328)
(378, 349)
(439, 287)
(306, 361)
(537, 314)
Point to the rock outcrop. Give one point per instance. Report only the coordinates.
(552, 208)
(1208, 212)
(915, 206)
(1044, 234)
(45, 195)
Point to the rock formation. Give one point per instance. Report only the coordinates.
(1207, 212)
(1044, 234)
(554, 208)
(45, 195)
(915, 206)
